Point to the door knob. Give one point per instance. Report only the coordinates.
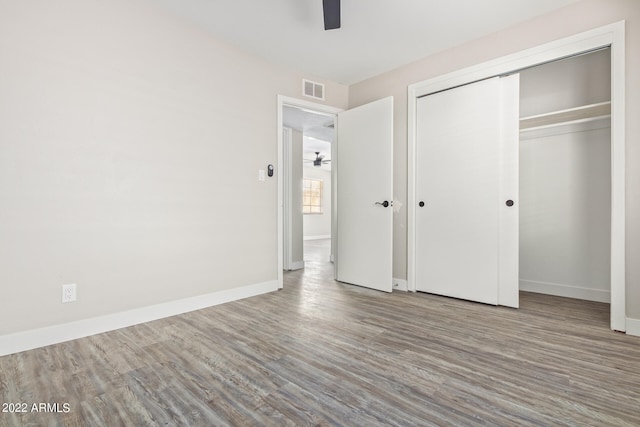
(421, 204)
(509, 203)
(384, 204)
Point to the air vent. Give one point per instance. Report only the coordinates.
(312, 89)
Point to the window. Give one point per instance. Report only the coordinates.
(311, 196)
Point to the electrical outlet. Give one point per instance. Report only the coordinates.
(69, 292)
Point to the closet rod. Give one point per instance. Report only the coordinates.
(583, 112)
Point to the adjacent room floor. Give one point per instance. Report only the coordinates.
(317, 254)
(325, 353)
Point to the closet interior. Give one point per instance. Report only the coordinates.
(565, 177)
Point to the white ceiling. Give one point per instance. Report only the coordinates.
(376, 35)
(317, 129)
(310, 147)
(311, 124)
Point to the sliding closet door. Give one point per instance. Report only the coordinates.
(466, 192)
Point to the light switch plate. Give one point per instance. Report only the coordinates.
(261, 175)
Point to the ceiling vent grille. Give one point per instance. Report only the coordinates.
(312, 89)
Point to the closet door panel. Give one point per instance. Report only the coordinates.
(509, 228)
(458, 180)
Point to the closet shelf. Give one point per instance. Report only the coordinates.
(572, 115)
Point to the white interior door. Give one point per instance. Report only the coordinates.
(466, 230)
(365, 195)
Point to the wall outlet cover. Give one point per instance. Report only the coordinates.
(69, 292)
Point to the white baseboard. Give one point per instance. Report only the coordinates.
(28, 340)
(297, 265)
(328, 236)
(633, 327)
(400, 285)
(568, 291)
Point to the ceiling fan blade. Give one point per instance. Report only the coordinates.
(331, 9)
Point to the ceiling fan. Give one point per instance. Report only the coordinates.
(319, 160)
(331, 10)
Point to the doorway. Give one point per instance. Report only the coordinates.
(361, 202)
(295, 119)
(308, 138)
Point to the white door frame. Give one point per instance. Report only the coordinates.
(287, 261)
(320, 108)
(612, 35)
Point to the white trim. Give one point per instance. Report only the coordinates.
(562, 290)
(334, 200)
(618, 172)
(281, 102)
(287, 178)
(611, 35)
(633, 327)
(400, 285)
(327, 236)
(35, 338)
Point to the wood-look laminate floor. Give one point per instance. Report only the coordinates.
(325, 353)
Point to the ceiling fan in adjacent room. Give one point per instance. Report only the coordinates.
(331, 10)
(319, 160)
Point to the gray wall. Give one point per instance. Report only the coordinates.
(129, 149)
(578, 17)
